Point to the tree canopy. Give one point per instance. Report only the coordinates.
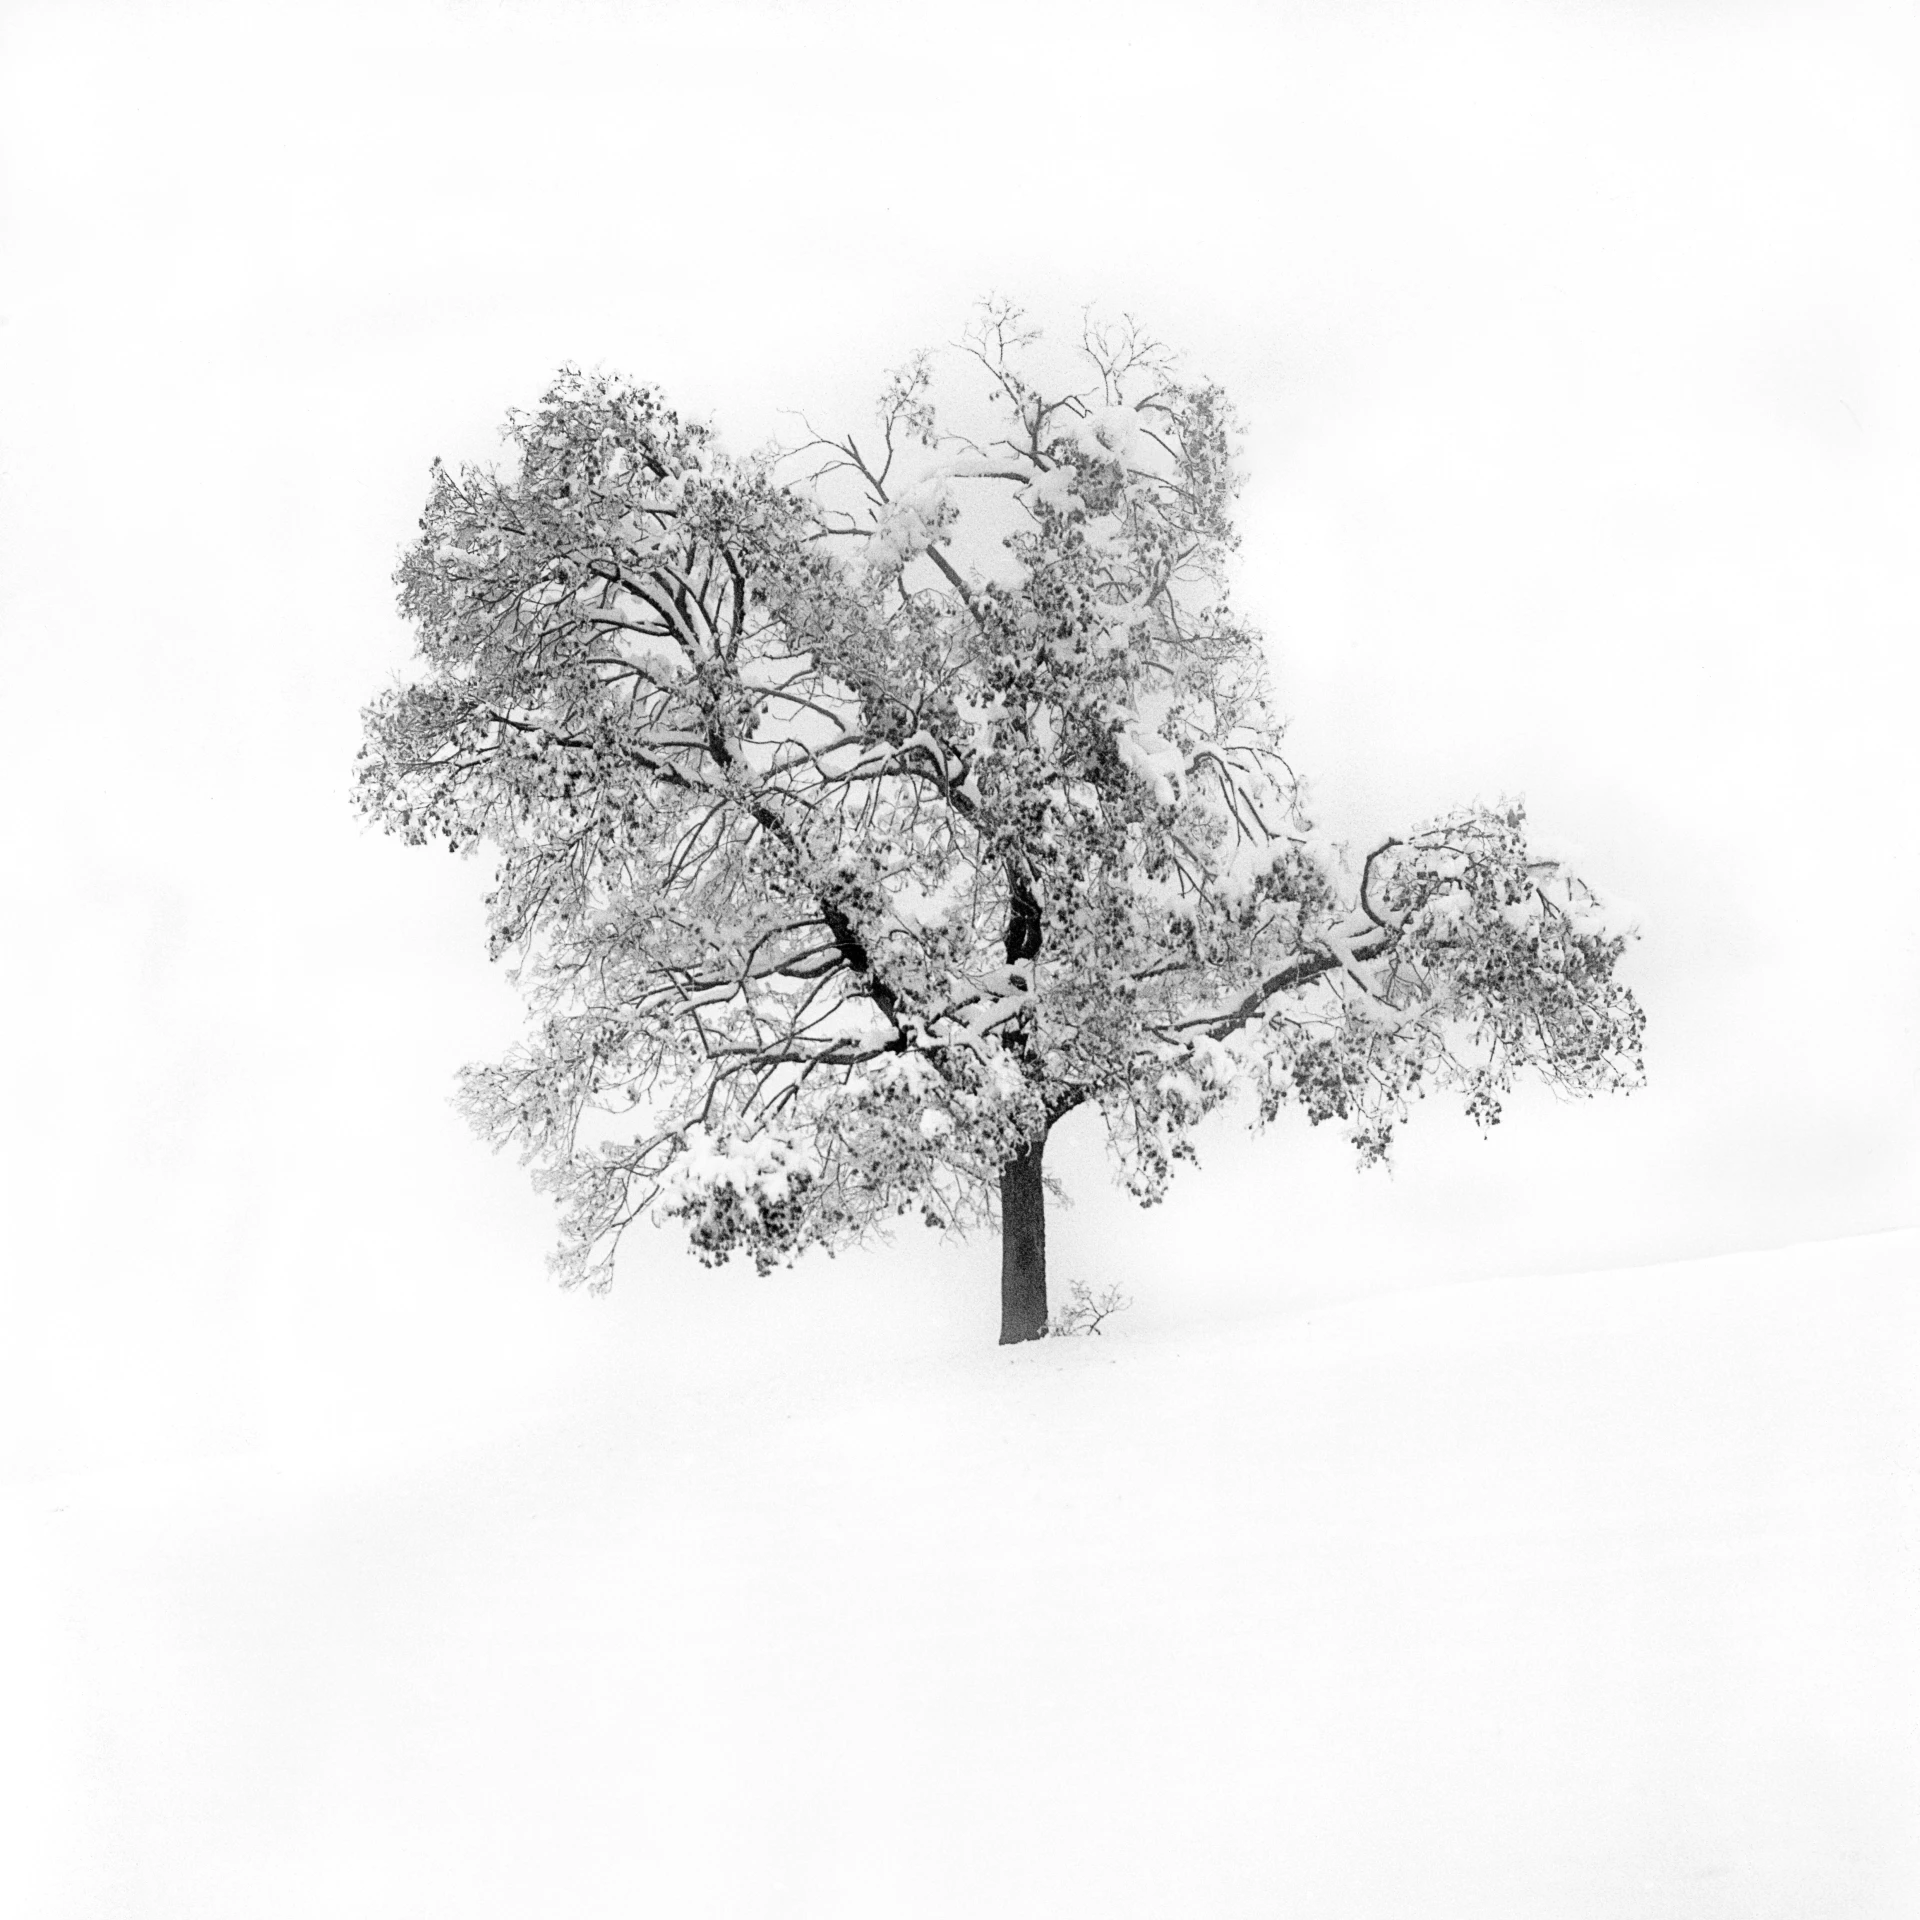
(863, 808)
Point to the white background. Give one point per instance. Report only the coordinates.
(1576, 352)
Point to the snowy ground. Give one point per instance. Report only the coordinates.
(1564, 1597)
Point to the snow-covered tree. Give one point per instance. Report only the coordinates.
(863, 810)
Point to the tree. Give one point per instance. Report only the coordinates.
(862, 810)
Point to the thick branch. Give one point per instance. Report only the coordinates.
(1023, 918)
(1296, 973)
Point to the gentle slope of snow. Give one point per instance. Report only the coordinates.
(1568, 1597)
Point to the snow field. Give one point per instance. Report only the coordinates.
(1568, 1597)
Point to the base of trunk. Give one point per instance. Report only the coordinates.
(1023, 1247)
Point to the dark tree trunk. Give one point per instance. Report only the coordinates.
(1023, 1246)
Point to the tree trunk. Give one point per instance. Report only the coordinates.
(1023, 1246)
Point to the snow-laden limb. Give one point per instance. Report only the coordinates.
(859, 813)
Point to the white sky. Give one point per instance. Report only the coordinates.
(1576, 347)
